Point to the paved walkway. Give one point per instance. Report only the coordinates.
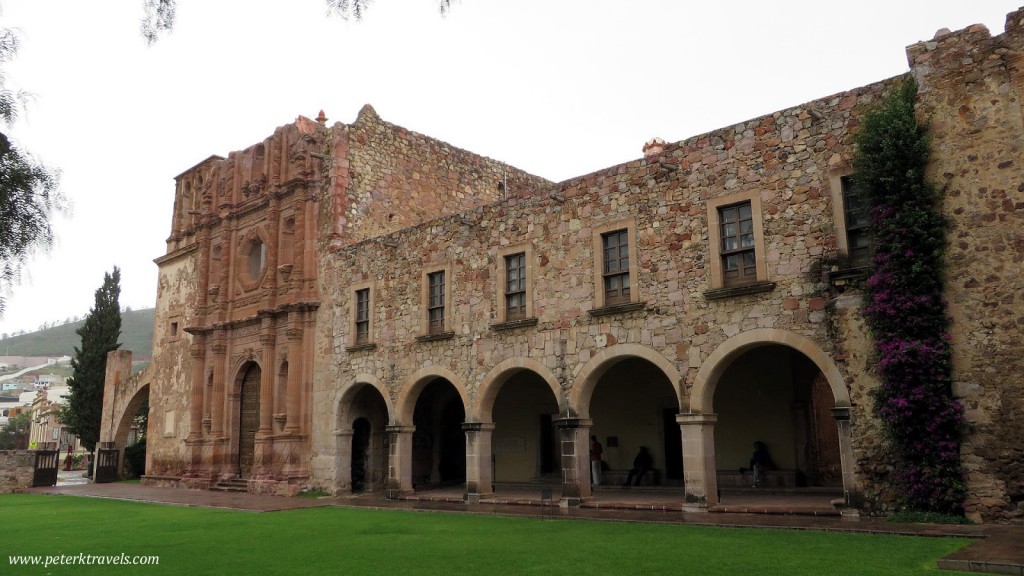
(998, 549)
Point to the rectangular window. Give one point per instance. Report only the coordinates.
(736, 230)
(857, 215)
(616, 267)
(362, 316)
(435, 306)
(515, 286)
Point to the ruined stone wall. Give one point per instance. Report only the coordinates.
(16, 470)
(386, 177)
(970, 89)
(168, 373)
(783, 160)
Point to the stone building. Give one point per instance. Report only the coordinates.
(361, 307)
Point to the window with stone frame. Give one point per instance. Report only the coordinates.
(736, 233)
(435, 304)
(515, 286)
(257, 258)
(362, 316)
(857, 217)
(616, 267)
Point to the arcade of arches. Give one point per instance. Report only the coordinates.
(523, 430)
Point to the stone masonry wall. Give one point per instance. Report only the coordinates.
(16, 470)
(169, 373)
(970, 93)
(385, 178)
(783, 158)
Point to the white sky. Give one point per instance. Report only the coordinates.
(559, 88)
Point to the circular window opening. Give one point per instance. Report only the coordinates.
(257, 258)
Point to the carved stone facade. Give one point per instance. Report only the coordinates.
(417, 315)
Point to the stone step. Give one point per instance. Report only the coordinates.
(231, 485)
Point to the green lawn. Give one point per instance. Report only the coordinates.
(195, 541)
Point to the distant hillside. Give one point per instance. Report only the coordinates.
(136, 335)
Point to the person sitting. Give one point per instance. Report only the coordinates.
(641, 465)
(761, 462)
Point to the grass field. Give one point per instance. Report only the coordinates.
(194, 541)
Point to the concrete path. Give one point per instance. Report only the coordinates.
(998, 549)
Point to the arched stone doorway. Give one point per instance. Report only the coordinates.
(438, 442)
(524, 442)
(634, 405)
(775, 394)
(248, 418)
(363, 416)
(700, 422)
(131, 435)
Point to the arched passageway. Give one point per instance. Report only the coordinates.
(438, 442)
(634, 405)
(524, 442)
(362, 439)
(130, 438)
(776, 395)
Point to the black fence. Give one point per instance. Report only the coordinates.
(106, 465)
(44, 471)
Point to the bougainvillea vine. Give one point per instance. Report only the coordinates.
(905, 307)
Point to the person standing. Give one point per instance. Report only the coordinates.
(761, 462)
(596, 450)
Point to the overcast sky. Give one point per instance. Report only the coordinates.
(558, 88)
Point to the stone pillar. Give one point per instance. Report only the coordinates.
(219, 350)
(270, 284)
(343, 462)
(295, 370)
(267, 374)
(851, 489)
(399, 461)
(198, 353)
(231, 446)
(699, 470)
(574, 438)
(479, 470)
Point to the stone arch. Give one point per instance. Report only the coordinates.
(406, 404)
(345, 396)
(373, 463)
(124, 423)
(712, 368)
(239, 366)
(497, 376)
(585, 382)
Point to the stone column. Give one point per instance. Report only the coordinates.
(219, 350)
(574, 439)
(231, 447)
(851, 489)
(479, 471)
(198, 353)
(343, 462)
(399, 461)
(267, 341)
(699, 470)
(295, 370)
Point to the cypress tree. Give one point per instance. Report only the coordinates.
(102, 328)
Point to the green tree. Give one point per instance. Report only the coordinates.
(83, 410)
(159, 14)
(14, 434)
(28, 190)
